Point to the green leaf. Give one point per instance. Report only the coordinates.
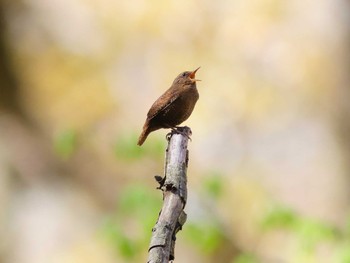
(344, 253)
(125, 246)
(312, 232)
(207, 237)
(136, 212)
(280, 216)
(245, 258)
(65, 143)
(213, 185)
(126, 148)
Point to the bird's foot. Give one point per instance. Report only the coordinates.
(185, 131)
(168, 136)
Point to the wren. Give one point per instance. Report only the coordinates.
(174, 106)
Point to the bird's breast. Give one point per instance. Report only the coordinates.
(181, 108)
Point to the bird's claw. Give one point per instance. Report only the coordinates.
(185, 131)
(168, 136)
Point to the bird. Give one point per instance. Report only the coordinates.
(174, 106)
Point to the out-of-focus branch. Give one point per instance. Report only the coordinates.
(9, 88)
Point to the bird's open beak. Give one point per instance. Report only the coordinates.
(193, 75)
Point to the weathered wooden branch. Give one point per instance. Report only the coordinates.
(174, 186)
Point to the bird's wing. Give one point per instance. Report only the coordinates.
(163, 102)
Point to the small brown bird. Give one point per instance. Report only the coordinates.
(174, 106)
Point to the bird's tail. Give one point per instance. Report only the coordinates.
(143, 135)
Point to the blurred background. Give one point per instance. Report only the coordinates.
(269, 168)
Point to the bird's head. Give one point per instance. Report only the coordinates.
(187, 77)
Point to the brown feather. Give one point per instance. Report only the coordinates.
(173, 107)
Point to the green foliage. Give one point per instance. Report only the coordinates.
(347, 227)
(309, 233)
(281, 217)
(206, 236)
(140, 202)
(125, 246)
(126, 148)
(312, 232)
(245, 258)
(129, 229)
(213, 185)
(344, 252)
(65, 143)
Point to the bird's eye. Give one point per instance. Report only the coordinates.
(184, 74)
